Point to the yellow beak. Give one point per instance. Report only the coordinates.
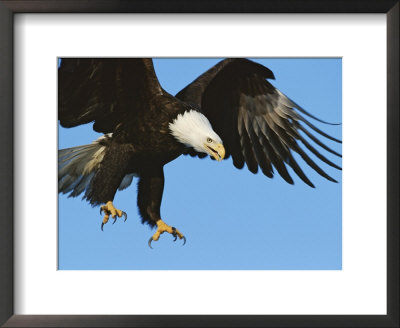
(218, 152)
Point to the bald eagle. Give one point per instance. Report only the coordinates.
(231, 110)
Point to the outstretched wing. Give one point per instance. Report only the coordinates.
(258, 124)
(106, 91)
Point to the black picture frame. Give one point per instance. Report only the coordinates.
(10, 7)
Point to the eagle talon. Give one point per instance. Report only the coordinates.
(109, 210)
(174, 233)
(149, 243)
(163, 227)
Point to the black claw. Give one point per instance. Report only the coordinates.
(174, 233)
(176, 236)
(115, 220)
(101, 211)
(102, 225)
(125, 216)
(150, 240)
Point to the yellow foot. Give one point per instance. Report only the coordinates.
(163, 227)
(109, 209)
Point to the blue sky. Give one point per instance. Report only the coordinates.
(232, 219)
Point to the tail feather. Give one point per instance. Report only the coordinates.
(126, 181)
(78, 165)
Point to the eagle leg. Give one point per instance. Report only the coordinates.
(163, 227)
(108, 210)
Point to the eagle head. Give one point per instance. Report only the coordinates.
(193, 129)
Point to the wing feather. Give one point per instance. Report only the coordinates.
(260, 156)
(258, 124)
(246, 146)
(106, 91)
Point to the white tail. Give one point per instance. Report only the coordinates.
(78, 165)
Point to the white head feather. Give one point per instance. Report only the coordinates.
(192, 129)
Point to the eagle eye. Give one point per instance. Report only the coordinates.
(209, 140)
